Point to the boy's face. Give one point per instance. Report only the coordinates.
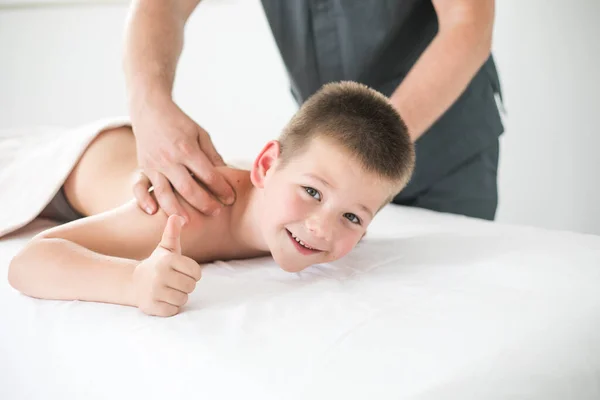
(317, 207)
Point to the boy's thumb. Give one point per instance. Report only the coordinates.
(171, 238)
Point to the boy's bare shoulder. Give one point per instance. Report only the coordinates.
(209, 238)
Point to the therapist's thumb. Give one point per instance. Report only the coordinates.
(171, 237)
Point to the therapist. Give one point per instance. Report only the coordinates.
(431, 58)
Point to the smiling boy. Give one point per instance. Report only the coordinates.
(308, 198)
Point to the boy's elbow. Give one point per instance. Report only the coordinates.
(15, 276)
(19, 268)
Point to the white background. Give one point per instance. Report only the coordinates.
(61, 64)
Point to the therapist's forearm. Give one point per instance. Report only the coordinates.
(153, 44)
(440, 75)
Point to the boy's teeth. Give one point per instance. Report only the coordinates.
(302, 243)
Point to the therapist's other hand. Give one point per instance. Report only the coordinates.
(170, 148)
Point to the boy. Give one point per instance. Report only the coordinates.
(307, 199)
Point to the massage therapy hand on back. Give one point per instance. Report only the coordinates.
(309, 195)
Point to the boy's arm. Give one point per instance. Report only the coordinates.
(125, 232)
(58, 269)
(91, 259)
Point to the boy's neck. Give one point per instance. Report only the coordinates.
(245, 221)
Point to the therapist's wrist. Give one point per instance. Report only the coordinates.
(143, 97)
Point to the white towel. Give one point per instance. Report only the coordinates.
(34, 164)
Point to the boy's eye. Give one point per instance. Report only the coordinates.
(312, 192)
(352, 218)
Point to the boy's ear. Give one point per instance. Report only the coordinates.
(264, 162)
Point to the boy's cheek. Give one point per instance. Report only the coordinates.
(345, 247)
(289, 206)
(274, 203)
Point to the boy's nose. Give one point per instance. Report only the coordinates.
(320, 226)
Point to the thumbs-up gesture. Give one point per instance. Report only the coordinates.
(163, 281)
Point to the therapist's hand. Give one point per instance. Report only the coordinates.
(170, 148)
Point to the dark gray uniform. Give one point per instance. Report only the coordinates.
(376, 42)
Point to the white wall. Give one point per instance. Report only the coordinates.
(548, 54)
(62, 65)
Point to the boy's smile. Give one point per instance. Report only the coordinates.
(302, 247)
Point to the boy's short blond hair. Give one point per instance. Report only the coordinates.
(360, 120)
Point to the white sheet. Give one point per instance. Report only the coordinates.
(429, 306)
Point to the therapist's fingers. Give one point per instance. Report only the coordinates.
(165, 195)
(212, 179)
(141, 191)
(203, 164)
(192, 191)
(209, 149)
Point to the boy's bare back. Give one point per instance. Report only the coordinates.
(99, 187)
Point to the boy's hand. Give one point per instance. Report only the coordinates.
(162, 282)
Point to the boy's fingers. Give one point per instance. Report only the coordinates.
(171, 238)
(163, 309)
(179, 281)
(172, 296)
(187, 266)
